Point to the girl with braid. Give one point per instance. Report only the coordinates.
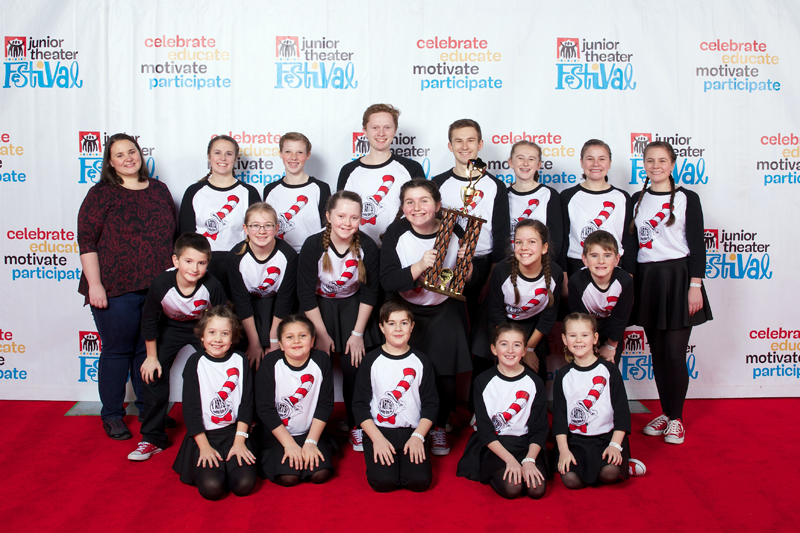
(669, 297)
(441, 322)
(526, 289)
(337, 286)
(215, 206)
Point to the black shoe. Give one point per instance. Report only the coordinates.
(169, 422)
(116, 429)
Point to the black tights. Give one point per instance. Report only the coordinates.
(509, 491)
(211, 482)
(446, 389)
(318, 477)
(608, 474)
(668, 348)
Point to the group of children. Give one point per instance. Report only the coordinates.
(307, 272)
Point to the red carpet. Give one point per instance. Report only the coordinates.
(736, 472)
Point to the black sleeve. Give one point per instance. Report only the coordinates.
(324, 196)
(618, 319)
(268, 189)
(151, 311)
(414, 169)
(362, 393)
(284, 300)
(428, 396)
(215, 290)
(577, 284)
(368, 293)
(501, 223)
(483, 420)
(560, 426)
(265, 391)
(325, 401)
(555, 224)
(192, 410)
(187, 220)
(694, 235)
(630, 242)
(619, 400)
(307, 273)
(252, 194)
(394, 278)
(548, 315)
(246, 407)
(344, 174)
(240, 296)
(441, 178)
(497, 304)
(537, 421)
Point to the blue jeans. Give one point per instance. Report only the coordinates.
(122, 352)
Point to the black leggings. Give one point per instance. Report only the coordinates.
(211, 481)
(348, 387)
(668, 348)
(446, 389)
(509, 491)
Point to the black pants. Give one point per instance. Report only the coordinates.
(481, 268)
(156, 394)
(402, 474)
(668, 349)
(348, 387)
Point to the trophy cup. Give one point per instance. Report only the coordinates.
(444, 280)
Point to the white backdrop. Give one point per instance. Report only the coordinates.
(716, 78)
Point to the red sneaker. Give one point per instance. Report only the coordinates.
(144, 451)
(674, 434)
(657, 426)
(356, 439)
(439, 444)
(636, 468)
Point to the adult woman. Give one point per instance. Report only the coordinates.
(126, 226)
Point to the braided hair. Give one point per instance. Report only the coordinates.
(355, 243)
(544, 235)
(672, 156)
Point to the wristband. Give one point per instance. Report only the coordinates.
(528, 460)
(242, 434)
(310, 441)
(696, 285)
(357, 334)
(530, 350)
(419, 436)
(273, 340)
(615, 445)
(609, 347)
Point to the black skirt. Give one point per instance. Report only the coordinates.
(479, 463)
(340, 316)
(440, 332)
(588, 453)
(220, 439)
(263, 309)
(270, 455)
(661, 296)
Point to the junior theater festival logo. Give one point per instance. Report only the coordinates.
(690, 165)
(637, 362)
(313, 63)
(593, 65)
(90, 346)
(90, 155)
(40, 63)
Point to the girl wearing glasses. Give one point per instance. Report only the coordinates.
(262, 271)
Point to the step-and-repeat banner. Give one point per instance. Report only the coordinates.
(717, 79)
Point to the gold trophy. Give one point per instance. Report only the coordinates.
(436, 278)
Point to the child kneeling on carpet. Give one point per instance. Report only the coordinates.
(395, 402)
(591, 418)
(511, 411)
(217, 410)
(294, 399)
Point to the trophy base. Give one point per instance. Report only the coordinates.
(439, 290)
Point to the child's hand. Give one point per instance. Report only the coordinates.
(311, 456)
(513, 471)
(614, 456)
(607, 353)
(695, 300)
(427, 261)
(254, 355)
(415, 449)
(242, 453)
(355, 347)
(209, 456)
(295, 456)
(383, 451)
(532, 360)
(532, 476)
(149, 369)
(564, 460)
(324, 342)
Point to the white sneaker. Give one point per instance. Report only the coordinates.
(636, 468)
(356, 439)
(439, 444)
(657, 426)
(144, 451)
